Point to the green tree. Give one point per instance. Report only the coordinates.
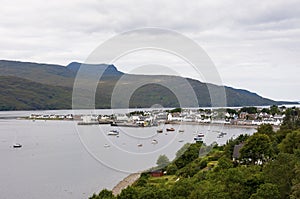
(257, 148)
(295, 193)
(231, 111)
(291, 142)
(162, 161)
(104, 194)
(128, 193)
(266, 191)
(209, 190)
(266, 129)
(229, 147)
(281, 172)
(182, 188)
(291, 120)
(190, 154)
(171, 169)
(224, 163)
(274, 110)
(250, 110)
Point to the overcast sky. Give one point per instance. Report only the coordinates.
(254, 44)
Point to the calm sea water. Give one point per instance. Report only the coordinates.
(60, 159)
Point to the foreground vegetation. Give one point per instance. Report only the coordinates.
(268, 167)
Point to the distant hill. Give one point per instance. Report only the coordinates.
(30, 86)
(23, 94)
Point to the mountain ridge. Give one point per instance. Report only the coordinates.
(58, 81)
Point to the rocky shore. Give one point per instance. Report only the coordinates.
(129, 180)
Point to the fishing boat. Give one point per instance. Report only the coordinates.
(200, 135)
(170, 129)
(198, 139)
(154, 142)
(17, 145)
(113, 132)
(222, 134)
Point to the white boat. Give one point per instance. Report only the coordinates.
(154, 142)
(113, 132)
(106, 145)
(201, 135)
(17, 145)
(198, 139)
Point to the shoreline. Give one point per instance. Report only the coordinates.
(127, 181)
(170, 123)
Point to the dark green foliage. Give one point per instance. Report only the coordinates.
(266, 129)
(274, 109)
(188, 156)
(224, 163)
(292, 119)
(228, 148)
(182, 188)
(208, 190)
(291, 142)
(266, 191)
(281, 172)
(104, 194)
(128, 193)
(175, 110)
(258, 148)
(142, 181)
(171, 169)
(231, 111)
(250, 110)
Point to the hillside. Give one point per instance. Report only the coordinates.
(261, 166)
(22, 94)
(26, 86)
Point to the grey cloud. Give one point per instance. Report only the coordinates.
(234, 33)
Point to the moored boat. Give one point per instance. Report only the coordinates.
(17, 145)
(200, 135)
(198, 139)
(222, 134)
(170, 129)
(113, 132)
(154, 142)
